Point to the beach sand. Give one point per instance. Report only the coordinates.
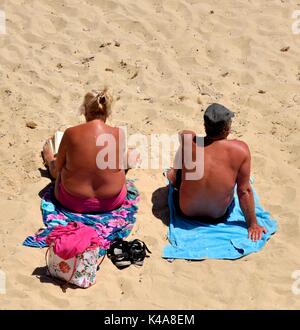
(166, 61)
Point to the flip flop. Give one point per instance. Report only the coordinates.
(123, 253)
(118, 254)
(138, 252)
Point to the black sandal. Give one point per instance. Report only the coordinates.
(138, 252)
(118, 254)
(123, 253)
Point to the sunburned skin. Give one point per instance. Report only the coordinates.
(226, 164)
(75, 163)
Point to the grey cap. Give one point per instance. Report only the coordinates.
(216, 114)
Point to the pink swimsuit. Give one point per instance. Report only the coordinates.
(87, 205)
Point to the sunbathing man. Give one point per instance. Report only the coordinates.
(226, 164)
(80, 185)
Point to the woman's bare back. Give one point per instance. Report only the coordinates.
(80, 174)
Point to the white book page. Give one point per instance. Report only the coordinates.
(57, 139)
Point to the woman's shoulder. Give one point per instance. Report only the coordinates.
(113, 129)
(75, 131)
(89, 127)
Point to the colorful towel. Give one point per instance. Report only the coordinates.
(109, 226)
(195, 240)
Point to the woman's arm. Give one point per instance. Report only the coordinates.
(56, 162)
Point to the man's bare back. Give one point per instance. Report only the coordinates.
(213, 193)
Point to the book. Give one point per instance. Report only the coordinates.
(55, 141)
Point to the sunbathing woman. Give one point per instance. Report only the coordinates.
(83, 182)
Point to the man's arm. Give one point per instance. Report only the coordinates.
(246, 199)
(179, 160)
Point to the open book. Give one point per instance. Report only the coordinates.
(55, 141)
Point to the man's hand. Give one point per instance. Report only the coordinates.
(255, 232)
(186, 132)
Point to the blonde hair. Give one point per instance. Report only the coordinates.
(97, 104)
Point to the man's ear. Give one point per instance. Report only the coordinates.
(228, 131)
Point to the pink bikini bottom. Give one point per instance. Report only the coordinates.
(87, 205)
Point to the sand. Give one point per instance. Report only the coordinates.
(166, 61)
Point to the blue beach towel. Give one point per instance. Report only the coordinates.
(109, 225)
(190, 239)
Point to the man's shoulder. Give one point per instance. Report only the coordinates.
(239, 146)
(238, 143)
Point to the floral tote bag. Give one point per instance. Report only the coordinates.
(80, 270)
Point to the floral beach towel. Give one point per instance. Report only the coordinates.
(109, 225)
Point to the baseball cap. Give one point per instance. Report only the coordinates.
(216, 114)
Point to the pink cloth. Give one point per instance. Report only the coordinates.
(87, 205)
(73, 239)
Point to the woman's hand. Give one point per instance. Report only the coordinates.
(49, 158)
(133, 158)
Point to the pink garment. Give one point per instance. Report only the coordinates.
(87, 205)
(73, 239)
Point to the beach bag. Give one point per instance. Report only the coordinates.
(79, 270)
